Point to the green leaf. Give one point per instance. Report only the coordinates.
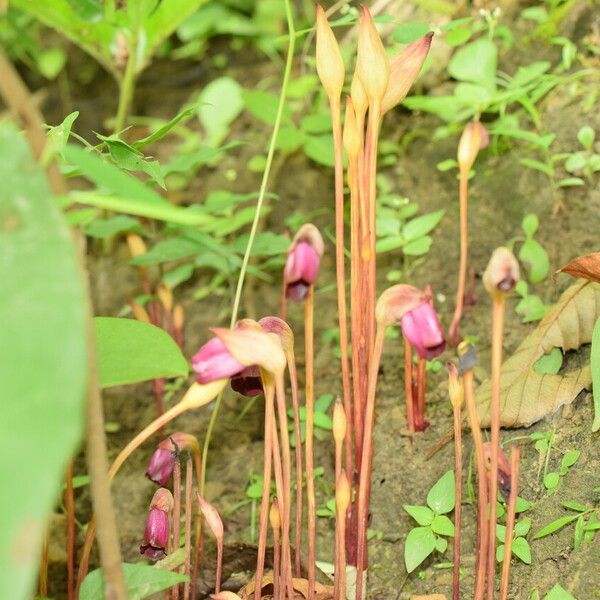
(59, 134)
(522, 550)
(574, 506)
(549, 363)
(578, 533)
(405, 33)
(458, 36)
(316, 123)
(323, 403)
(558, 593)
(595, 366)
(522, 505)
(530, 224)
(575, 162)
(569, 459)
(476, 62)
(142, 580)
(130, 351)
(220, 103)
(538, 166)
(422, 225)
(418, 247)
(586, 137)
(554, 526)
(420, 543)
(442, 525)
(43, 363)
(171, 249)
(161, 132)
(105, 228)
(522, 527)
(423, 515)
(320, 149)
(551, 480)
(322, 421)
(441, 496)
(263, 105)
(532, 253)
(571, 182)
(441, 544)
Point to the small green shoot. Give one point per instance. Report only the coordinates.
(520, 546)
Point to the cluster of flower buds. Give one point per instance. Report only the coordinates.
(156, 534)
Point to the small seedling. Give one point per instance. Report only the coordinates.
(434, 525)
(552, 478)
(520, 546)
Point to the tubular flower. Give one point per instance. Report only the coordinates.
(163, 460)
(213, 361)
(303, 262)
(422, 329)
(156, 533)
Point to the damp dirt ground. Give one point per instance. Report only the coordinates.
(501, 194)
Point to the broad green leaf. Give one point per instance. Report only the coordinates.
(442, 525)
(420, 543)
(320, 149)
(533, 254)
(569, 459)
(59, 134)
(575, 162)
(43, 363)
(422, 225)
(571, 182)
(418, 247)
(161, 132)
(323, 403)
(549, 363)
(538, 166)
(423, 515)
(476, 62)
(586, 137)
(554, 526)
(595, 364)
(142, 580)
(558, 593)
(522, 527)
(323, 421)
(387, 244)
(316, 123)
(578, 532)
(522, 505)
(171, 249)
(105, 228)
(528, 73)
(574, 506)
(530, 223)
(263, 105)
(441, 496)
(219, 104)
(551, 480)
(405, 33)
(130, 351)
(521, 549)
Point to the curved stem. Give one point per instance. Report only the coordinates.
(261, 197)
(366, 463)
(127, 84)
(189, 476)
(457, 499)
(497, 333)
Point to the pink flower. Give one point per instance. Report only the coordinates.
(156, 533)
(422, 329)
(303, 262)
(161, 465)
(247, 382)
(213, 361)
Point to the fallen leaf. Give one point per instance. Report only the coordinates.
(527, 396)
(322, 592)
(584, 267)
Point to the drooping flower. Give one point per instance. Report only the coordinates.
(502, 273)
(247, 382)
(421, 327)
(156, 533)
(163, 460)
(213, 361)
(303, 262)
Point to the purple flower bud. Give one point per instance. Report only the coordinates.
(161, 465)
(248, 382)
(213, 361)
(303, 262)
(422, 329)
(156, 534)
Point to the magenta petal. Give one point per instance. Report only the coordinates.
(213, 361)
(156, 534)
(421, 327)
(301, 269)
(161, 465)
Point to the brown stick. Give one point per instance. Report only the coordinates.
(482, 500)
(334, 105)
(497, 334)
(515, 455)
(198, 540)
(310, 409)
(457, 498)
(70, 518)
(364, 489)
(269, 388)
(176, 519)
(339, 592)
(421, 382)
(408, 390)
(276, 560)
(453, 335)
(189, 476)
(43, 574)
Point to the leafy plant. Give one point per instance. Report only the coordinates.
(520, 546)
(322, 421)
(434, 525)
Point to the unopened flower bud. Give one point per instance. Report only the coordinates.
(358, 95)
(275, 515)
(351, 135)
(303, 262)
(421, 327)
(405, 67)
(156, 533)
(373, 63)
(455, 386)
(212, 518)
(165, 295)
(161, 465)
(342, 495)
(474, 138)
(339, 422)
(502, 273)
(330, 64)
(139, 312)
(396, 301)
(136, 244)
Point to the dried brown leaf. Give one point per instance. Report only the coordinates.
(584, 267)
(527, 396)
(322, 592)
